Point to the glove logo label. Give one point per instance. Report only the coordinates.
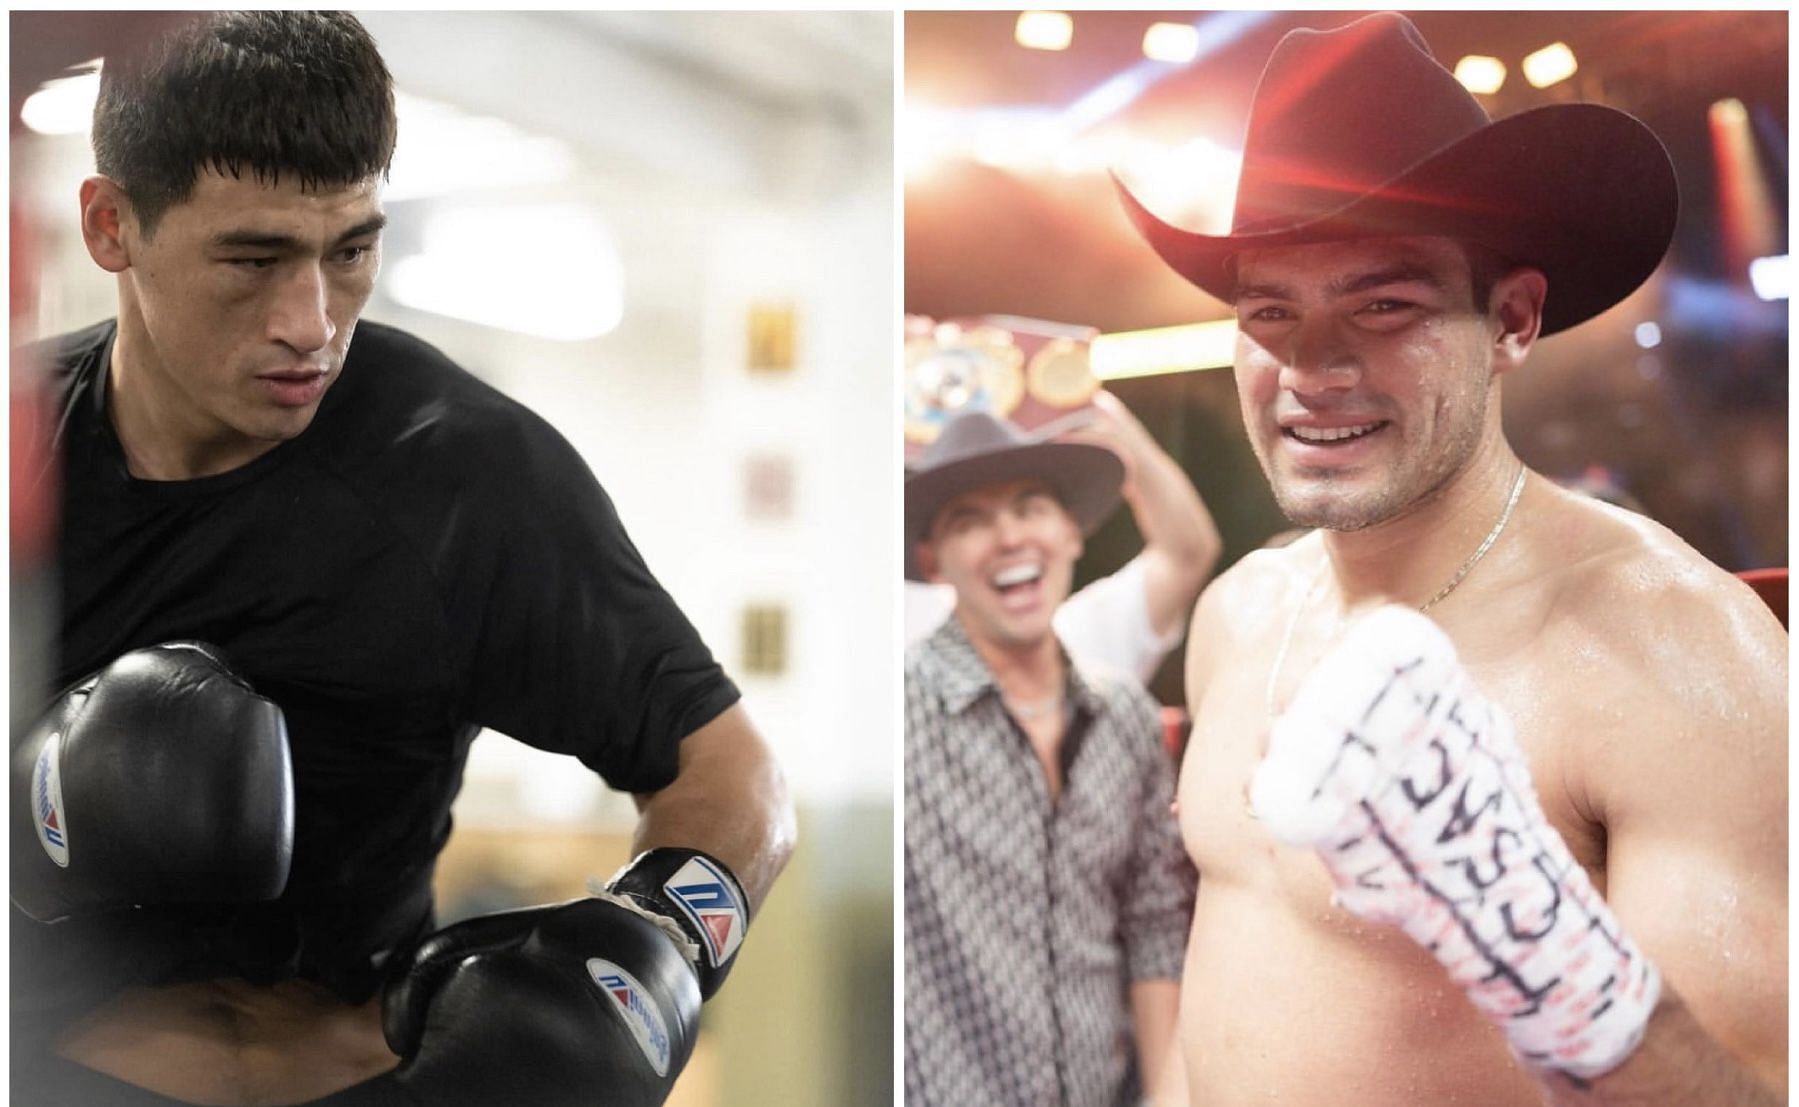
(706, 896)
(639, 1010)
(46, 801)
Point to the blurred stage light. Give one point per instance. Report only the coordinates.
(1015, 140)
(1480, 74)
(1214, 31)
(563, 279)
(927, 136)
(1771, 277)
(1649, 335)
(1193, 185)
(1552, 63)
(1177, 43)
(1044, 30)
(1094, 153)
(1720, 310)
(1729, 112)
(1748, 215)
(1065, 140)
(1106, 99)
(64, 106)
(1164, 350)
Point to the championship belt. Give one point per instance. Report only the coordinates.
(1034, 373)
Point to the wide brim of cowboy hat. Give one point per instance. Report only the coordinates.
(1584, 192)
(1086, 478)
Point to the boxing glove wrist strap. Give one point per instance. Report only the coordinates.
(700, 894)
(1412, 788)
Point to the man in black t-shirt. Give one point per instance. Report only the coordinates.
(301, 563)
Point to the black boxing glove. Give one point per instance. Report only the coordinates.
(699, 894)
(163, 778)
(569, 1005)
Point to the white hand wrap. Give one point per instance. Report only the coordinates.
(1409, 784)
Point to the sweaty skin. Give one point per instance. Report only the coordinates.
(1647, 688)
(1665, 773)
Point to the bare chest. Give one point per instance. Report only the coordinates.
(1229, 738)
(1385, 1023)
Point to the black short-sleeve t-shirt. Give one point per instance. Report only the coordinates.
(427, 558)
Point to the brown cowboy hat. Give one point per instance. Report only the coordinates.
(976, 450)
(1359, 132)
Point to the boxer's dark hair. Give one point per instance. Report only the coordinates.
(1485, 266)
(272, 93)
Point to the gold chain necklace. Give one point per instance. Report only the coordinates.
(1505, 516)
(1305, 601)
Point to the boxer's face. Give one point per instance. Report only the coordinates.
(1009, 551)
(1363, 369)
(248, 295)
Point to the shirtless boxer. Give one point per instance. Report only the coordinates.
(298, 572)
(1553, 866)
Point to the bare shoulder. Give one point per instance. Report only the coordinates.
(1672, 669)
(1262, 583)
(1656, 603)
(1246, 603)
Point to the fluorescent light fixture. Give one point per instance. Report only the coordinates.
(1552, 63)
(1164, 350)
(1649, 335)
(548, 270)
(1480, 74)
(445, 150)
(1044, 30)
(64, 106)
(1771, 277)
(1171, 42)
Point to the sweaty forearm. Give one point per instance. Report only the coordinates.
(1677, 1063)
(729, 800)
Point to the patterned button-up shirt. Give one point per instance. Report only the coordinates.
(1027, 920)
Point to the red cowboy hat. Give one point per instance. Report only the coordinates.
(1358, 132)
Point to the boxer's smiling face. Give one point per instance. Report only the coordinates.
(1009, 551)
(1364, 373)
(248, 294)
